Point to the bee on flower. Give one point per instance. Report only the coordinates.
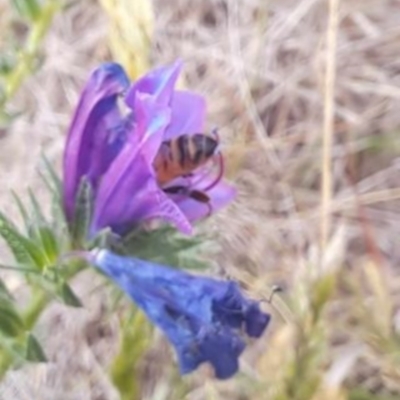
(148, 163)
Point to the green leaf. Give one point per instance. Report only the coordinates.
(164, 245)
(37, 228)
(11, 323)
(24, 250)
(321, 292)
(19, 268)
(83, 213)
(69, 297)
(23, 212)
(34, 351)
(54, 183)
(29, 9)
(104, 239)
(49, 243)
(4, 292)
(38, 216)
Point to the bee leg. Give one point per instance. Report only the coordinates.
(176, 190)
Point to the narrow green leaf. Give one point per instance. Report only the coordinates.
(29, 9)
(19, 268)
(69, 297)
(23, 212)
(24, 250)
(34, 351)
(83, 213)
(58, 222)
(104, 239)
(55, 182)
(321, 292)
(37, 228)
(4, 292)
(11, 323)
(49, 243)
(38, 216)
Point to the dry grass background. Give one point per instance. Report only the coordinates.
(261, 65)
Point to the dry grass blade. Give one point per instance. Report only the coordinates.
(131, 32)
(328, 126)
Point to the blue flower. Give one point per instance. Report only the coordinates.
(205, 319)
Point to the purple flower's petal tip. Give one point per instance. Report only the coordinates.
(112, 71)
(186, 228)
(188, 114)
(177, 65)
(159, 82)
(223, 194)
(169, 211)
(228, 192)
(110, 67)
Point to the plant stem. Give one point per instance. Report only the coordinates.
(28, 56)
(134, 342)
(30, 316)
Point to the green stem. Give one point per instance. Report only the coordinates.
(28, 56)
(134, 342)
(30, 316)
(36, 306)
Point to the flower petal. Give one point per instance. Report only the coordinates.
(95, 114)
(255, 321)
(202, 317)
(220, 196)
(126, 193)
(151, 118)
(129, 183)
(169, 211)
(188, 114)
(222, 350)
(129, 192)
(159, 82)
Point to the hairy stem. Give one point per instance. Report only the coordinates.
(40, 300)
(28, 56)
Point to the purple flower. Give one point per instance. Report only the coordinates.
(203, 318)
(115, 150)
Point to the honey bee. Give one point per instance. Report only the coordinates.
(179, 157)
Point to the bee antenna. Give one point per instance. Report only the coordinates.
(275, 289)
